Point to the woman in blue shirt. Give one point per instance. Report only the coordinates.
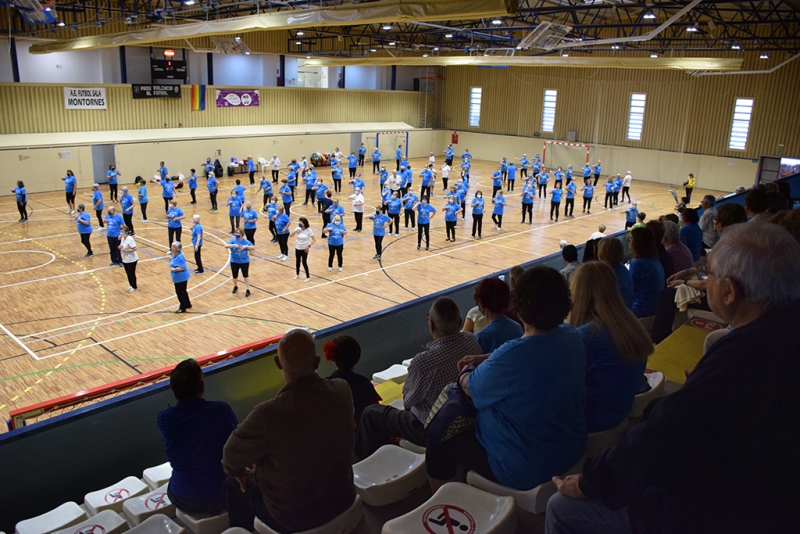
(378, 231)
(609, 193)
(286, 195)
(167, 191)
(610, 252)
(251, 170)
(265, 186)
(282, 221)
(497, 212)
(530, 423)
(646, 272)
(409, 201)
(451, 210)
(98, 205)
(234, 211)
(528, 197)
(70, 185)
(352, 164)
(112, 175)
(336, 174)
(691, 234)
(477, 214)
(174, 225)
(336, 232)
(491, 295)
(250, 216)
(142, 196)
(425, 213)
(376, 161)
(310, 179)
(320, 188)
(21, 196)
(569, 206)
(179, 272)
(193, 185)
(114, 222)
(127, 208)
(272, 210)
(84, 222)
(240, 260)
(588, 195)
(213, 188)
(393, 206)
(543, 178)
(197, 243)
(555, 200)
(616, 343)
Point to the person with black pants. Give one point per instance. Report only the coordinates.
(129, 258)
(21, 196)
(376, 161)
(97, 202)
(555, 201)
(477, 214)
(425, 213)
(174, 225)
(127, 209)
(378, 231)
(179, 272)
(84, 222)
(197, 243)
(588, 194)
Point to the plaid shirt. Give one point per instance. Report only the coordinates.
(431, 370)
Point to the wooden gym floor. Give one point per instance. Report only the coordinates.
(68, 323)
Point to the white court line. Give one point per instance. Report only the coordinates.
(52, 259)
(87, 271)
(20, 343)
(35, 238)
(273, 297)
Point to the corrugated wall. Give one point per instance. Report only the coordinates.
(683, 113)
(39, 108)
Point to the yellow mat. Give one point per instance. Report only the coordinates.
(389, 391)
(680, 351)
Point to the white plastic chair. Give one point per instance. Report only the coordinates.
(657, 381)
(395, 373)
(407, 362)
(237, 530)
(389, 475)
(344, 523)
(263, 163)
(58, 518)
(600, 441)
(107, 522)
(463, 507)
(204, 523)
(138, 509)
(397, 404)
(113, 497)
(158, 524)
(158, 475)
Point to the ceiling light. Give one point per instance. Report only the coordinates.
(424, 55)
(615, 47)
(392, 43)
(301, 33)
(736, 47)
(448, 36)
(497, 22)
(653, 55)
(298, 42)
(47, 9)
(649, 14)
(387, 27)
(519, 48)
(189, 3)
(61, 23)
(691, 28)
(763, 56)
(372, 50)
(435, 48)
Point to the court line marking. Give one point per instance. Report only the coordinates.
(296, 291)
(20, 343)
(52, 259)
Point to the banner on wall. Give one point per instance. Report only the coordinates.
(232, 99)
(198, 97)
(85, 97)
(156, 91)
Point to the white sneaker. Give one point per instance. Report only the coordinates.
(397, 235)
(307, 279)
(284, 258)
(330, 269)
(296, 277)
(340, 269)
(99, 228)
(71, 212)
(132, 290)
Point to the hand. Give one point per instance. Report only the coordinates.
(242, 479)
(569, 486)
(680, 275)
(466, 360)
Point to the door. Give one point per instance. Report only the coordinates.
(355, 142)
(102, 157)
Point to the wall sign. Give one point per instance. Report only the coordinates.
(232, 99)
(156, 91)
(85, 97)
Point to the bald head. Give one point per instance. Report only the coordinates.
(297, 354)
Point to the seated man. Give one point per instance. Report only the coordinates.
(194, 432)
(430, 371)
(301, 442)
(718, 455)
(570, 256)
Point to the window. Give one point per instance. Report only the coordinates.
(742, 112)
(549, 114)
(475, 106)
(636, 116)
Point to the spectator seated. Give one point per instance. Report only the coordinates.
(157, 476)
(158, 524)
(63, 516)
(458, 505)
(114, 496)
(156, 502)
(107, 522)
(389, 475)
(204, 523)
(395, 373)
(344, 523)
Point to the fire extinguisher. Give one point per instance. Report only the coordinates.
(454, 138)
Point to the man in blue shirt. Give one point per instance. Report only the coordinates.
(213, 189)
(193, 186)
(597, 169)
(163, 172)
(466, 155)
(609, 193)
(425, 213)
(512, 176)
(99, 205)
(524, 163)
(112, 176)
(398, 156)
(378, 231)
(362, 152)
(114, 222)
(194, 432)
(691, 233)
(352, 164)
(376, 161)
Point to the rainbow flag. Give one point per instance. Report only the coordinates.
(198, 97)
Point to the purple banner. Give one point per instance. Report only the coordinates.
(243, 98)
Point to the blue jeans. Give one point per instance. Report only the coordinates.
(574, 516)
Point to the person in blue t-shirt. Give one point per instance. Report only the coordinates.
(425, 213)
(192, 185)
(70, 188)
(646, 272)
(379, 221)
(543, 178)
(167, 191)
(524, 163)
(512, 176)
(362, 153)
(250, 216)
(174, 225)
(382, 177)
(597, 168)
(588, 195)
(98, 205)
(497, 182)
(286, 195)
(197, 243)
(398, 156)
(127, 209)
(84, 223)
(504, 169)
(376, 161)
(358, 184)
(630, 215)
(617, 188)
(477, 214)
(112, 174)
(609, 193)
(336, 232)
(530, 422)
(163, 172)
(491, 296)
(555, 200)
(266, 186)
(393, 207)
(21, 196)
(336, 173)
(213, 188)
(691, 233)
(282, 222)
(142, 197)
(569, 205)
(251, 170)
(528, 197)
(319, 189)
(194, 431)
(310, 180)
(451, 210)
(352, 164)
(427, 180)
(115, 223)
(461, 196)
(409, 201)
(240, 260)
(466, 165)
(271, 211)
(234, 211)
(569, 174)
(497, 212)
(537, 167)
(448, 154)
(587, 171)
(291, 180)
(179, 272)
(466, 155)
(209, 167)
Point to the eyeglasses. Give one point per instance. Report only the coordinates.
(704, 272)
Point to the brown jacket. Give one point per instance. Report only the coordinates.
(302, 444)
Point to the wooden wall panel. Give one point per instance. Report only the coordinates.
(684, 113)
(39, 108)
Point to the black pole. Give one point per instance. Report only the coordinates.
(14, 62)
(210, 63)
(394, 77)
(343, 78)
(282, 71)
(123, 65)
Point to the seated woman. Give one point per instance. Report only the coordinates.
(530, 423)
(681, 256)
(475, 321)
(616, 343)
(345, 352)
(646, 272)
(491, 296)
(610, 252)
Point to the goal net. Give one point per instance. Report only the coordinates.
(558, 153)
(387, 143)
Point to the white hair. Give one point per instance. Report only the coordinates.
(764, 259)
(177, 245)
(196, 218)
(672, 233)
